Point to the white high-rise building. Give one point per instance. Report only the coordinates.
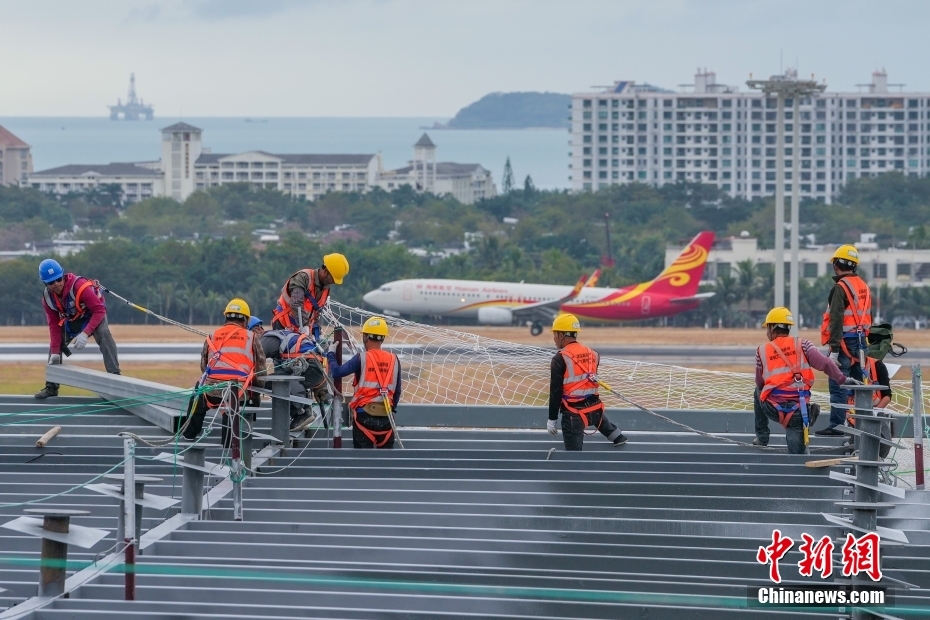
(713, 133)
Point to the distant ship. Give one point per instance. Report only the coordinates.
(134, 108)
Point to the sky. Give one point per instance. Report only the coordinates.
(426, 58)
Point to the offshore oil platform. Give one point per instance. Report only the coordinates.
(134, 108)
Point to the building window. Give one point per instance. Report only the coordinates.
(880, 270)
(809, 270)
(903, 269)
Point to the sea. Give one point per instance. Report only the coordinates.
(539, 153)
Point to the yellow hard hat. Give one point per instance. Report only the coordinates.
(779, 316)
(566, 323)
(376, 326)
(237, 308)
(848, 253)
(337, 265)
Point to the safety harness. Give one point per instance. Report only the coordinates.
(580, 383)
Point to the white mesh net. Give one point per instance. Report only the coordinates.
(444, 366)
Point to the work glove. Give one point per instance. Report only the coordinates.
(54, 359)
(298, 366)
(305, 330)
(851, 381)
(551, 427)
(80, 342)
(332, 347)
(835, 358)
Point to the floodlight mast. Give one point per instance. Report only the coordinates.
(784, 87)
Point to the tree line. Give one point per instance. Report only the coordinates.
(186, 259)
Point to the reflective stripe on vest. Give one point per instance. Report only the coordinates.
(785, 369)
(232, 358)
(580, 368)
(858, 314)
(313, 301)
(73, 308)
(377, 379)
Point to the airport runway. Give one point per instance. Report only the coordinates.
(190, 352)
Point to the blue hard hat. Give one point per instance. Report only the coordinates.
(50, 270)
(253, 321)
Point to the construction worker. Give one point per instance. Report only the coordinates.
(231, 354)
(305, 293)
(845, 328)
(296, 353)
(573, 389)
(377, 386)
(74, 309)
(255, 326)
(784, 376)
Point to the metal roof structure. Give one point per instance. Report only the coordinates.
(463, 523)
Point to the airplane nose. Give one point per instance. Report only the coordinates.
(370, 297)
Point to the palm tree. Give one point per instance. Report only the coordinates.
(166, 295)
(747, 277)
(191, 298)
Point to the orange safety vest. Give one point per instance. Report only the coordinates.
(580, 379)
(313, 301)
(785, 372)
(377, 381)
(73, 308)
(232, 358)
(858, 313)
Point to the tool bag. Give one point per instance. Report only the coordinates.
(881, 342)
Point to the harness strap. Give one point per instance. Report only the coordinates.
(373, 436)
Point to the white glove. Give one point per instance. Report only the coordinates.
(835, 358)
(551, 427)
(332, 347)
(851, 381)
(54, 359)
(80, 342)
(305, 330)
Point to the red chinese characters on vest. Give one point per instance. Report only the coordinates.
(231, 356)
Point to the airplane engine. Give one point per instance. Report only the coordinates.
(495, 316)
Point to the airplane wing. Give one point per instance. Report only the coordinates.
(697, 297)
(548, 309)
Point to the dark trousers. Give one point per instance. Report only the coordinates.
(794, 433)
(839, 394)
(378, 424)
(204, 403)
(573, 428)
(104, 340)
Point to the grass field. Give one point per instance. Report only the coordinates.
(616, 336)
(29, 378)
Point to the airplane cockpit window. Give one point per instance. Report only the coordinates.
(385, 289)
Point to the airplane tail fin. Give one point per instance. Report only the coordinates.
(592, 281)
(578, 286)
(683, 276)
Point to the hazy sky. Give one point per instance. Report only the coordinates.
(420, 58)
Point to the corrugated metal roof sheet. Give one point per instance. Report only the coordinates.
(462, 523)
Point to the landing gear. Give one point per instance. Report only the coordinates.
(536, 328)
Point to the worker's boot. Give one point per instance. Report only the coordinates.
(50, 389)
(759, 442)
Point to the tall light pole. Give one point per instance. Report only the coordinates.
(784, 87)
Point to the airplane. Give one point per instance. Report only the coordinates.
(508, 303)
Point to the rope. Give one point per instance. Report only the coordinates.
(699, 432)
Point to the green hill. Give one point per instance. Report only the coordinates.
(514, 111)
